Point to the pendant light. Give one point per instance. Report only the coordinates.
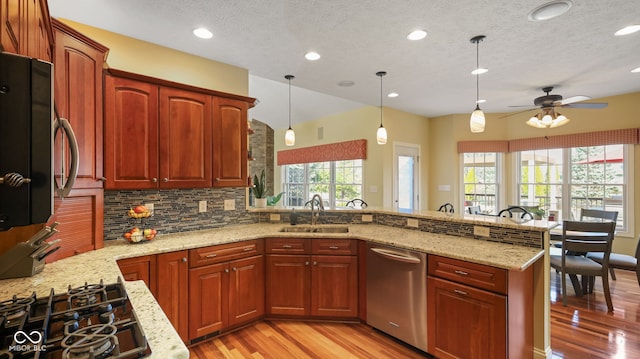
(477, 122)
(381, 135)
(289, 136)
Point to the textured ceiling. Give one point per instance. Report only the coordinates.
(576, 52)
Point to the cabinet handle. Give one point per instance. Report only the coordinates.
(248, 249)
(184, 259)
(461, 272)
(315, 263)
(102, 179)
(306, 263)
(286, 246)
(212, 255)
(217, 179)
(333, 247)
(234, 269)
(154, 180)
(165, 180)
(461, 292)
(226, 270)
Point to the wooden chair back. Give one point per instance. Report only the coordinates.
(592, 237)
(447, 207)
(510, 211)
(597, 215)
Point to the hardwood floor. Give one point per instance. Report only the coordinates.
(583, 329)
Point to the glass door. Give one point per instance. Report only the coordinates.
(406, 177)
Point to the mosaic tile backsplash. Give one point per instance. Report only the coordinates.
(175, 210)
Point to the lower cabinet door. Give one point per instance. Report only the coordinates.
(140, 268)
(246, 290)
(172, 289)
(465, 322)
(288, 285)
(208, 299)
(334, 286)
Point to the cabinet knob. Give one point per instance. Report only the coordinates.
(165, 180)
(234, 269)
(154, 180)
(315, 263)
(102, 179)
(226, 270)
(184, 259)
(217, 179)
(306, 263)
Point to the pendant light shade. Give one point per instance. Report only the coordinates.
(477, 121)
(381, 135)
(289, 136)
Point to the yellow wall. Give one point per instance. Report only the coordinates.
(363, 123)
(132, 55)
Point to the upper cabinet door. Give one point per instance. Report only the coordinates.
(11, 17)
(229, 142)
(185, 139)
(131, 134)
(78, 98)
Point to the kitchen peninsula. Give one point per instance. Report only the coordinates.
(165, 341)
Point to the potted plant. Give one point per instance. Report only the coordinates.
(539, 213)
(260, 190)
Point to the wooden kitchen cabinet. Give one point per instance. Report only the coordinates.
(172, 292)
(226, 286)
(229, 142)
(156, 136)
(78, 64)
(140, 268)
(477, 311)
(25, 28)
(310, 281)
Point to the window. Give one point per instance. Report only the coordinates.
(566, 180)
(337, 182)
(480, 180)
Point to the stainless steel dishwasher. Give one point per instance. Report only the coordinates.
(397, 293)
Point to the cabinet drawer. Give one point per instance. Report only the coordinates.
(288, 246)
(344, 247)
(224, 252)
(476, 275)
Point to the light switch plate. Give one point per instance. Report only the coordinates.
(202, 206)
(367, 218)
(150, 207)
(229, 204)
(274, 217)
(412, 222)
(481, 231)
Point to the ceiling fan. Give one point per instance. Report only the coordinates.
(549, 118)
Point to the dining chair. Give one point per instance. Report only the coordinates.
(447, 207)
(510, 211)
(356, 203)
(620, 261)
(584, 237)
(474, 210)
(597, 215)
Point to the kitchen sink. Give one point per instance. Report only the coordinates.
(310, 229)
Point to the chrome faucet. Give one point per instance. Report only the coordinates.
(315, 214)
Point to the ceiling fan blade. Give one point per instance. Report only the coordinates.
(519, 105)
(586, 105)
(573, 99)
(517, 113)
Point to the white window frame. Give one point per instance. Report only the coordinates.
(500, 179)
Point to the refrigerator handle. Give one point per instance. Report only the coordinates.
(66, 184)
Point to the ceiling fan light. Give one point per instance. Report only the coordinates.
(381, 135)
(477, 121)
(560, 121)
(546, 120)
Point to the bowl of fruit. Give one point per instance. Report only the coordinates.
(138, 212)
(137, 235)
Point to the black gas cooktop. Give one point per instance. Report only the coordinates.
(93, 321)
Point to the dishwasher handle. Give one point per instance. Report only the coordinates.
(393, 255)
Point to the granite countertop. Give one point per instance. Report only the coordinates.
(164, 341)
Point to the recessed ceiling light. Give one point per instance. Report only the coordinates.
(417, 35)
(636, 70)
(202, 33)
(393, 94)
(479, 71)
(628, 30)
(550, 10)
(312, 56)
(346, 83)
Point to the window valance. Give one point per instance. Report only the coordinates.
(598, 138)
(340, 151)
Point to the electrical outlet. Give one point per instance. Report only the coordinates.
(367, 218)
(412, 222)
(150, 207)
(229, 204)
(202, 206)
(274, 217)
(481, 231)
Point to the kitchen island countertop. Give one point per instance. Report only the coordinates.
(164, 341)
